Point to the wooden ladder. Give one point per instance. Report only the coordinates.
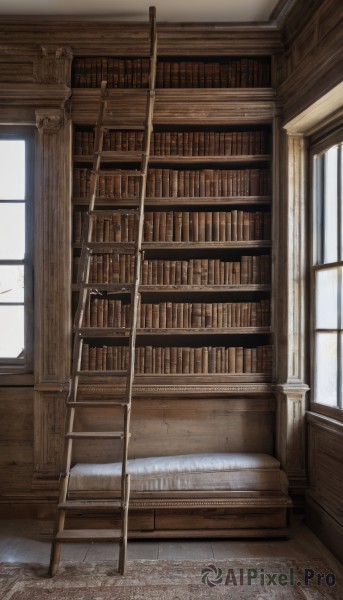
(62, 535)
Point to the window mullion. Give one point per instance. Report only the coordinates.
(340, 279)
(339, 202)
(321, 209)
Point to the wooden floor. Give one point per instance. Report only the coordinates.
(28, 541)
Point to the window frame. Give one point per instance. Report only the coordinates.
(319, 143)
(10, 366)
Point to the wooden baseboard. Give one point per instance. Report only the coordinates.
(329, 531)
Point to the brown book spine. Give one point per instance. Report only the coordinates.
(185, 226)
(239, 360)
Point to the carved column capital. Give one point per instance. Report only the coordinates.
(49, 120)
(53, 65)
(293, 391)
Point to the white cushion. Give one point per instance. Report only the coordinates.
(255, 472)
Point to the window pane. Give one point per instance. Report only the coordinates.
(12, 231)
(341, 198)
(331, 209)
(325, 369)
(12, 331)
(326, 299)
(318, 227)
(12, 283)
(12, 169)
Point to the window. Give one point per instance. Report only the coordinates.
(15, 257)
(327, 275)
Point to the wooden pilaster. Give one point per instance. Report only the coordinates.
(52, 268)
(292, 388)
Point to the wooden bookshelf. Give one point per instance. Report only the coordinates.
(207, 227)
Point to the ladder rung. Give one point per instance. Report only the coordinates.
(109, 287)
(81, 535)
(114, 211)
(95, 435)
(115, 247)
(90, 504)
(131, 172)
(124, 154)
(103, 373)
(112, 200)
(104, 332)
(97, 404)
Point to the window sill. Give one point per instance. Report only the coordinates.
(327, 411)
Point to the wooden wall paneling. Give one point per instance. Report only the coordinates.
(87, 38)
(163, 426)
(179, 106)
(317, 43)
(49, 409)
(325, 463)
(16, 440)
(324, 497)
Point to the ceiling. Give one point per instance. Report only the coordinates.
(137, 10)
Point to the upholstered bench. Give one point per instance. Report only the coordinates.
(207, 494)
(201, 472)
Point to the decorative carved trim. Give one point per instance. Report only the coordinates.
(53, 65)
(49, 120)
(225, 503)
(193, 390)
(201, 389)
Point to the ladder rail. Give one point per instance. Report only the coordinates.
(83, 277)
(83, 280)
(138, 254)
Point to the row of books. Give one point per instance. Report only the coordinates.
(182, 360)
(216, 226)
(180, 226)
(115, 228)
(103, 312)
(179, 143)
(119, 268)
(174, 183)
(134, 73)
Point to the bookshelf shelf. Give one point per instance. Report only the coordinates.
(206, 245)
(176, 379)
(188, 289)
(206, 331)
(179, 201)
(129, 157)
(108, 332)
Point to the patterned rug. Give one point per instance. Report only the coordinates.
(243, 579)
